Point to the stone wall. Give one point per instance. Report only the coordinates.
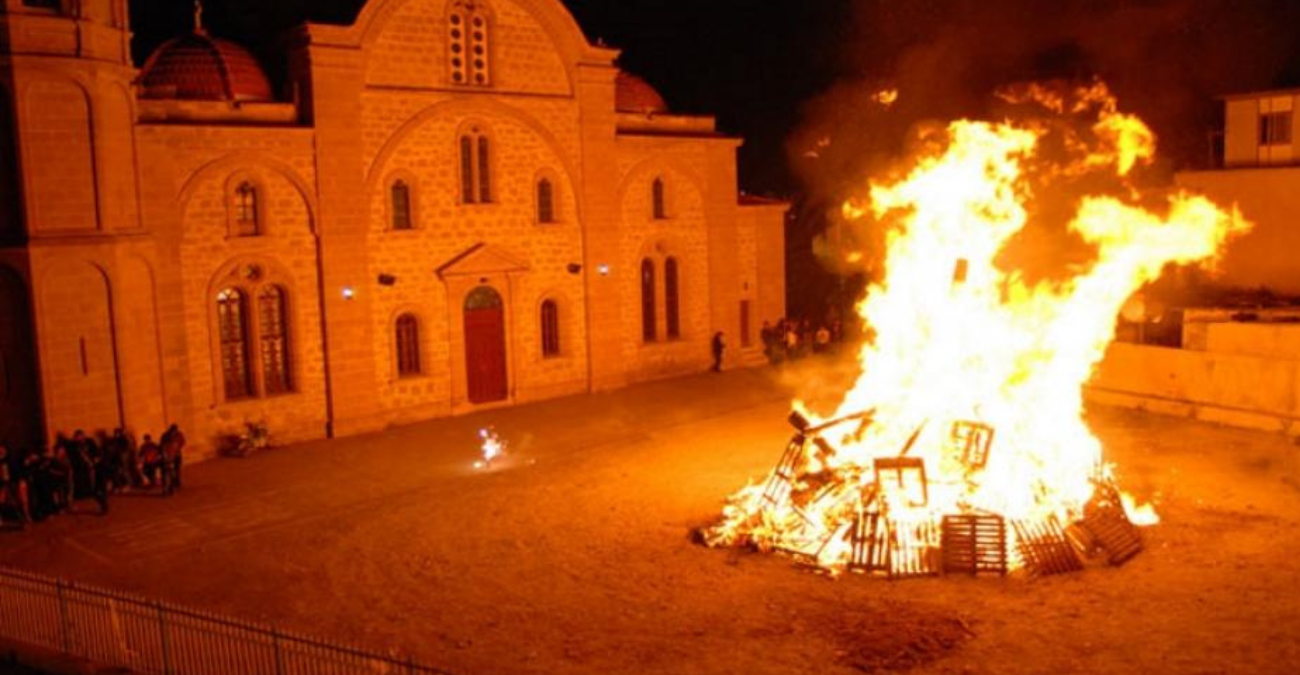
(682, 235)
(426, 157)
(203, 166)
(411, 50)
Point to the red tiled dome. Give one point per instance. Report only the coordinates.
(635, 95)
(200, 68)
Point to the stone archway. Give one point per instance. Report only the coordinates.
(20, 396)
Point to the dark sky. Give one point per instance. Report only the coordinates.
(787, 73)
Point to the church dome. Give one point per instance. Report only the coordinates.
(197, 67)
(634, 95)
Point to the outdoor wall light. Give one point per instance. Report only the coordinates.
(603, 268)
(348, 293)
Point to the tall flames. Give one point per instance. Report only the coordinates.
(964, 350)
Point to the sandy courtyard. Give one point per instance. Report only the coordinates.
(577, 559)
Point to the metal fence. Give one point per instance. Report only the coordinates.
(115, 629)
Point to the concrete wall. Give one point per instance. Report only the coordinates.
(1234, 389)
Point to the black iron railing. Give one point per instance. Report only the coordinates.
(116, 629)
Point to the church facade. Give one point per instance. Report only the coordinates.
(450, 205)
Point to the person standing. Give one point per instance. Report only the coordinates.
(11, 487)
(151, 459)
(823, 340)
(117, 453)
(768, 337)
(718, 348)
(173, 444)
(101, 476)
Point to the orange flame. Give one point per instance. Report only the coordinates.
(959, 340)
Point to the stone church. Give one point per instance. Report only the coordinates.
(448, 205)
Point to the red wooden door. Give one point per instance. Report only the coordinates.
(485, 346)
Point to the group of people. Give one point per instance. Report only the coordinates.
(37, 484)
(790, 339)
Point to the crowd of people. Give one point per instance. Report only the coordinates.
(792, 339)
(39, 483)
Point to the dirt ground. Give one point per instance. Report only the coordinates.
(576, 558)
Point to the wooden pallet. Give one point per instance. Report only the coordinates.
(974, 544)
(781, 482)
(1114, 534)
(1044, 548)
(869, 540)
(915, 550)
(973, 441)
(903, 478)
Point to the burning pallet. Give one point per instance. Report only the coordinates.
(879, 519)
(974, 544)
(892, 548)
(1044, 548)
(1107, 523)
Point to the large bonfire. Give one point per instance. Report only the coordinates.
(970, 398)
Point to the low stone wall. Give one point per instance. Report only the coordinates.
(1234, 389)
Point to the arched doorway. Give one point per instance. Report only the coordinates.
(485, 346)
(20, 397)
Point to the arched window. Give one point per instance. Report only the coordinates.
(232, 327)
(408, 345)
(467, 192)
(657, 198)
(545, 201)
(649, 332)
(671, 302)
(400, 200)
(247, 222)
(484, 171)
(469, 35)
(475, 167)
(550, 329)
(273, 333)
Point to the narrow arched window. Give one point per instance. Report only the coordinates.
(408, 345)
(469, 41)
(273, 336)
(468, 194)
(550, 321)
(246, 210)
(475, 167)
(484, 169)
(672, 315)
(232, 329)
(545, 201)
(657, 198)
(648, 330)
(400, 198)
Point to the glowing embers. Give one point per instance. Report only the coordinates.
(492, 448)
